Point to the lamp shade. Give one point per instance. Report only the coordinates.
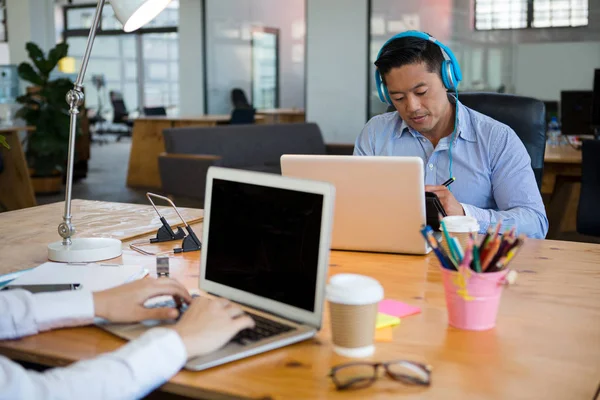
(134, 14)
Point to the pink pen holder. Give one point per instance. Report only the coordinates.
(472, 299)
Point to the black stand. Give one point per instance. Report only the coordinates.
(190, 243)
(165, 233)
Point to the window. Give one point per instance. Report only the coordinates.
(515, 14)
(555, 13)
(142, 66)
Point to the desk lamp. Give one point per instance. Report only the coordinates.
(133, 14)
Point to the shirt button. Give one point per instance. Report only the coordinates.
(430, 166)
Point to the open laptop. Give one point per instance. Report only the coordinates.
(266, 242)
(380, 201)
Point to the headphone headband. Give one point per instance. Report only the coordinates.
(451, 73)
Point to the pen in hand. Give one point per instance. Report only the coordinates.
(449, 182)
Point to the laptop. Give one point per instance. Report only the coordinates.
(266, 242)
(380, 201)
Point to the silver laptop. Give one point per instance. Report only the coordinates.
(380, 201)
(266, 243)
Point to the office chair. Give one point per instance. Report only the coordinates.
(155, 111)
(588, 210)
(242, 116)
(239, 99)
(120, 113)
(525, 115)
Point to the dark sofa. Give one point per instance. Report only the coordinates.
(191, 151)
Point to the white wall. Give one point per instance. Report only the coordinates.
(544, 69)
(4, 54)
(191, 68)
(336, 67)
(228, 52)
(29, 20)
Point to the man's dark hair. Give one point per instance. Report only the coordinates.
(410, 50)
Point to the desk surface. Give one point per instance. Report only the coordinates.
(281, 111)
(563, 154)
(546, 343)
(192, 118)
(9, 129)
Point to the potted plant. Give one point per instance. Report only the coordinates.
(45, 108)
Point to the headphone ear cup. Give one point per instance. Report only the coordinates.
(382, 89)
(449, 75)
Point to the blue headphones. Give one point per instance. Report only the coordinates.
(451, 74)
(451, 77)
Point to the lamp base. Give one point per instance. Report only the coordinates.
(85, 250)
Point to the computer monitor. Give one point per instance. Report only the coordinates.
(596, 101)
(576, 112)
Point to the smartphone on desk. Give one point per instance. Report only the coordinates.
(50, 287)
(433, 208)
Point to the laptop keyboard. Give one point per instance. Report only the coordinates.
(263, 327)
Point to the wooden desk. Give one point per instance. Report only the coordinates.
(561, 184)
(16, 190)
(147, 143)
(282, 115)
(546, 344)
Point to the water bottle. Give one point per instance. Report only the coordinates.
(553, 132)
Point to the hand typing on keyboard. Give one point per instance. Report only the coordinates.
(208, 324)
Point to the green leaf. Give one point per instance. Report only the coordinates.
(39, 60)
(3, 142)
(27, 73)
(56, 54)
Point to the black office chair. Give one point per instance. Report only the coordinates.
(239, 99)
(155, 111)
(525, 115)
(120, 113)
(588, 211)
(242, 116)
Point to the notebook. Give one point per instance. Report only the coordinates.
(91, 276)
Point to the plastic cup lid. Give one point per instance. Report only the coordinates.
(353, 289)
(461, 224)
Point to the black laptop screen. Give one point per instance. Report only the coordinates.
(265, 241)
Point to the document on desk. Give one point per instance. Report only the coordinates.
(92, 276)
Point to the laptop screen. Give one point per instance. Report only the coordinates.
(265, 241)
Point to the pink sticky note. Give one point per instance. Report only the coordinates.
(397, 308)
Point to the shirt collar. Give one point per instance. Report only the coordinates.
(464, 131)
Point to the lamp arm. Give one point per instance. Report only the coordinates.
(75, 100)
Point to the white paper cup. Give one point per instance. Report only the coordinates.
(353, 303)
(460, 227)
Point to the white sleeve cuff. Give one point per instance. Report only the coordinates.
(63, 309)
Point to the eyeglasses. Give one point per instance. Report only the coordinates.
(358, 375)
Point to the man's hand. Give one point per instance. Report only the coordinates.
(125, 303)
(451, 205)
(208, 324)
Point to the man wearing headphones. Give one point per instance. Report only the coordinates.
(419, 76)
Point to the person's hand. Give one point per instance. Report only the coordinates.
(449, 202)
(208, 324)
(125, 303)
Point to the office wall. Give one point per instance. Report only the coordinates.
(336, 67)
(228, 52)
(4, 54)
(191, 58)
(530, 62)
(543, 70)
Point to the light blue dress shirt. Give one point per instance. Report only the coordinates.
(494, 179)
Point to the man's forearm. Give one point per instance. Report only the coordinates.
(526, 220)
